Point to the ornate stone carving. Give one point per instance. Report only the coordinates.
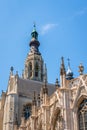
(75, 83)
(81, 69)
(84, 77)
(59, 123)
(82, 90)
(86, 82)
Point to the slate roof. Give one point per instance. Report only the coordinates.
(27, 87)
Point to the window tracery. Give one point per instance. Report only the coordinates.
(36, 70)
(82, 115)
(27, 111)
(30, 69)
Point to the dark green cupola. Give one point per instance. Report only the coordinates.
(34, 33)
(34, 43)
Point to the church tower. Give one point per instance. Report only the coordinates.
(34, 65)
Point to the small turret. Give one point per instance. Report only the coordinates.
(45, 93)
(45, 72)
(11, 70)
(45, 89)
(57, 84)
(69, 73)
(62, 67)
(34, 100)
(62, 73)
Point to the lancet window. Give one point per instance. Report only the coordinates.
(27, 111)
(36, 70)
(30, 69)
(82, 115)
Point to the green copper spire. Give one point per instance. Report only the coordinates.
(34, 43)
(34, 33)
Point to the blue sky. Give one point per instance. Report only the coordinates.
(62, 28)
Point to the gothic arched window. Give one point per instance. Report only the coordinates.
(36, 70)
(30, 69)
(27, 111)
(82, 115)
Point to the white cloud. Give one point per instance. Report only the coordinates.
(79, 13)
(48, 27)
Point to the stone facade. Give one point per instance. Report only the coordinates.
(2, 103)
(60, 110)
(31, 103)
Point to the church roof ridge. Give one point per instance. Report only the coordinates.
(35, 81)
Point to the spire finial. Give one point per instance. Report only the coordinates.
(34, 43)
(34, 33)
(45, 72)
(62, 67)
(62, 60)
(11, 70)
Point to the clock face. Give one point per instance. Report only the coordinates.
(27, 111)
